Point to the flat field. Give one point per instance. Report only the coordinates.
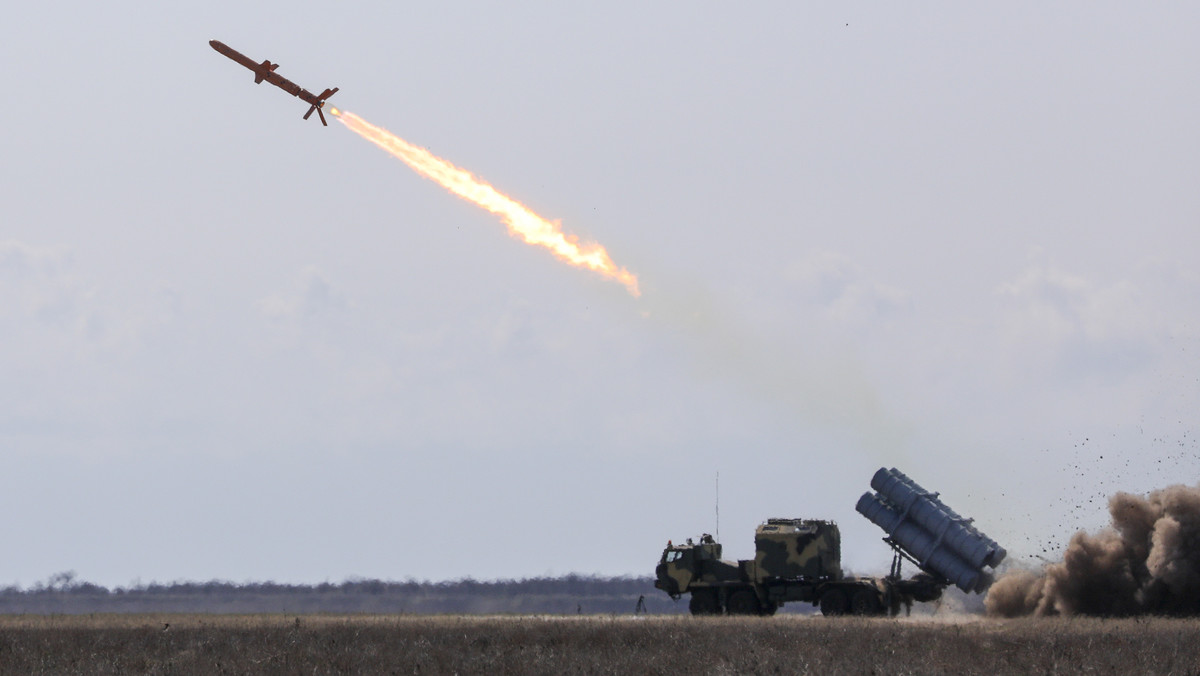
(325, 644)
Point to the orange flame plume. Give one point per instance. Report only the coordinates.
(520, 220)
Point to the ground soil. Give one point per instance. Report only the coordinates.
(325, 644)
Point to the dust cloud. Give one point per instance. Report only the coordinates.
(1147, 561)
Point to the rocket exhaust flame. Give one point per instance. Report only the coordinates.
(521, 221)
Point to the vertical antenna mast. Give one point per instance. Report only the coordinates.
(718, 505)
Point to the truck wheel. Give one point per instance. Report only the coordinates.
(833, 602)
(704, 602)
(743, 602)
(865, 602)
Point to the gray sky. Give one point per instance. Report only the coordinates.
(956, 240)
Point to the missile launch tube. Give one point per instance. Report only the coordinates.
(913, 501)
(933, 497)
(905, 479)
(953, 532)
(931, 553)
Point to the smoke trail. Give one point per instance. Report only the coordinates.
(824, 385)
(521, 221)
(1147, 562)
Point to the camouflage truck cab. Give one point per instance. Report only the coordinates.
(797, 549)
(683, 567)
(697, 569)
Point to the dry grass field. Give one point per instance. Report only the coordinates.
(315, 644)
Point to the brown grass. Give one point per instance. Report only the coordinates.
(216, 644)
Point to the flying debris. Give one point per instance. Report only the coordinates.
(266, 71)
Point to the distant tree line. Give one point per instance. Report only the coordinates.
(572, 594)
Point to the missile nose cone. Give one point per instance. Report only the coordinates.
(215, 44)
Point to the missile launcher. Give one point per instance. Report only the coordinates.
(799, 560)
(939, 540)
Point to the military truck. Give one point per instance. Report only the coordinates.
(800, 560)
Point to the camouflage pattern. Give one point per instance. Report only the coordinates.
(797, 549)
(683, 567)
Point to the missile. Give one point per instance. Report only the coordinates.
(266, 71)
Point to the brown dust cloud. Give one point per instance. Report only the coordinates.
(1146, 562)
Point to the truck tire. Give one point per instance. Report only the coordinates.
(865, 602)
(834, 602)
(704, 602)
(743, 602)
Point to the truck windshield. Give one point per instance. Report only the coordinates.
(672, 556)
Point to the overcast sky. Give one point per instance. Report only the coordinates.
(960, 241)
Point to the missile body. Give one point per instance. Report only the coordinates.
(266, 71)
